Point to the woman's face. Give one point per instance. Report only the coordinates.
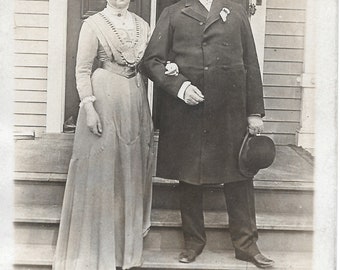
(119, 3)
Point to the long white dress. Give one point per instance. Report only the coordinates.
(107, 201)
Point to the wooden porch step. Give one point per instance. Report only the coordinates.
(223, 260)
(291, 163)
(271, 196)
(34, 257)
(54, 153)
(270, 184)
(50, 214)
(40, 225)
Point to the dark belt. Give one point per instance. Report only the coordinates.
(125, 71)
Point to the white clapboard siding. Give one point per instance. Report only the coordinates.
(285, 28)
(30, 108)
(282, 115)
(30, 60)
(281, 80)
(31, 7)
(285, 15)
(281, 41)
(288, 68)
(282, 104)
(31, 33)
(283, 55)
(31, 46)
(30, 96)
(283, 65)
(281, 127)
(30, 65)
(30, 120)
(287, 4)
(282, 92)
(30, 73)
(30, 20)
(30, 84)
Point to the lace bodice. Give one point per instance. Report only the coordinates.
(100, 41)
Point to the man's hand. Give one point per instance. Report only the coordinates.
(193, 95)
(255, 124)
(92, 119)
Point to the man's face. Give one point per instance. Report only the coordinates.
(119, 3)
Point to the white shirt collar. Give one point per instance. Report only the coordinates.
(206, 3)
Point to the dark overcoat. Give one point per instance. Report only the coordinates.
(200, 144)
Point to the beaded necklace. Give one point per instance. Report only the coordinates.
(127, 54)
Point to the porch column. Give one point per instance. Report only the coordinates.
(56, 65)
(305, 135)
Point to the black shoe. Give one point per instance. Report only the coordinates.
(187, 256)
(259, 260)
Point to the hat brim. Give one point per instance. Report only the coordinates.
(242, 168)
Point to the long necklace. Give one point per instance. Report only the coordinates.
(127, 54)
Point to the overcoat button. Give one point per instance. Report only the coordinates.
(204, 44)
(201, 23)
(206, 68)
(205, 131)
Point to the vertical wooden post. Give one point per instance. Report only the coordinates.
(258, 25)
(56, 66)
(305, 135)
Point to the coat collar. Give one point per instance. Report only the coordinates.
(195, 10)
(214, 14)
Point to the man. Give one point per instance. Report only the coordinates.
(202, 55)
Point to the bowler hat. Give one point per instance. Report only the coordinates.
(257, 152)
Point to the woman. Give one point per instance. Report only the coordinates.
(107, 202)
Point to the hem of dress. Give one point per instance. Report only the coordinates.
(133, 266)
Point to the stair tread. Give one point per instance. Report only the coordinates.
(288, 184)
(289, 164)
(171, 218)
(42, 255)
(223, 260)
(219, 219)
(291, 184)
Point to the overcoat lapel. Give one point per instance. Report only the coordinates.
(195, 10)
(214, 14)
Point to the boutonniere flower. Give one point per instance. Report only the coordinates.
(224, 14)
(171, 69)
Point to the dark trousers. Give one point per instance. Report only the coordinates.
(240, 202)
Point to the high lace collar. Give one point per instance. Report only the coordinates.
(120, 12)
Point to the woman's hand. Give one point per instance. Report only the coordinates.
(171, 69)
(92, 119)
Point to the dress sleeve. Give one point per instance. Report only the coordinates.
(87, 52)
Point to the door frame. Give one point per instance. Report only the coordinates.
(56, 75)
(57, 39)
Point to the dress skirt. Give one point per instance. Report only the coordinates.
(107, 201)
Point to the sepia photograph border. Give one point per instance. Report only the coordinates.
(326, 195)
